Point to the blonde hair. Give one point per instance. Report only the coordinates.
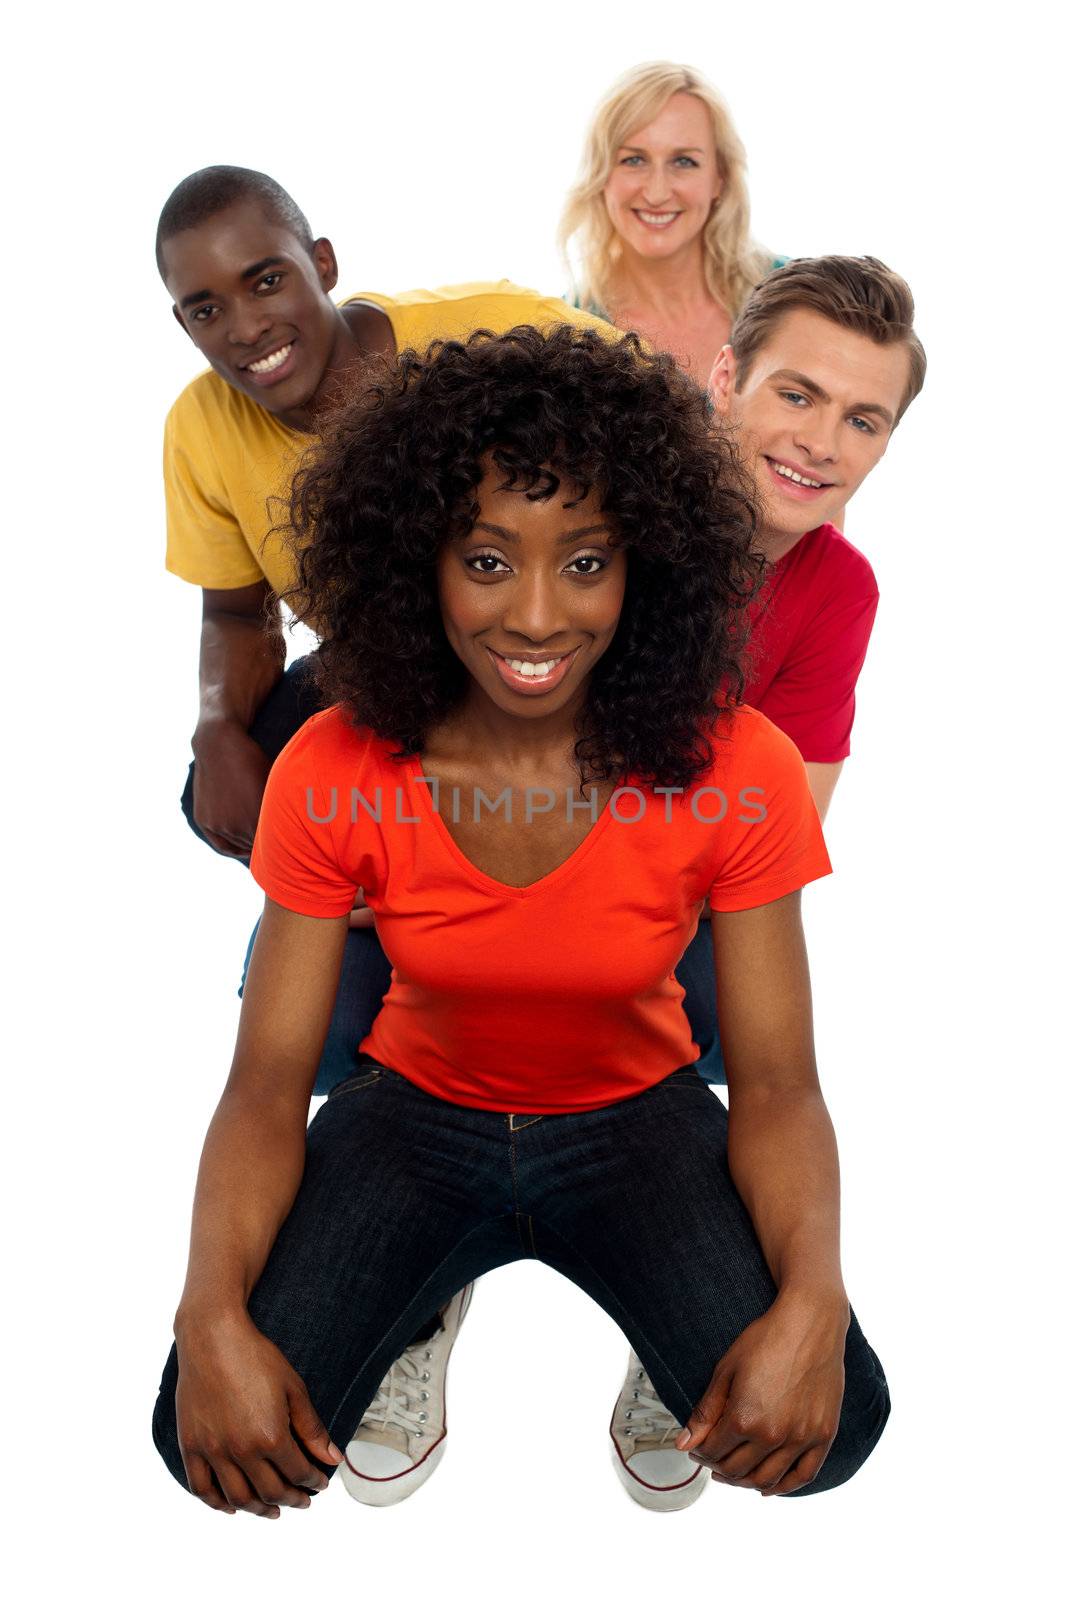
(733, 263)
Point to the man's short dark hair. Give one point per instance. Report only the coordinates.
(857, 292)
(205, 193)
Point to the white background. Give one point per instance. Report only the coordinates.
(433, 147)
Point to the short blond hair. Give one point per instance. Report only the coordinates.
(732, 261)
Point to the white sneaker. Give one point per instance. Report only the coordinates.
(400, 1440)
(654, 1473)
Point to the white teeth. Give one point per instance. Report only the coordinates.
(532, 669)
(786, 472)
(657, 219)
(270, 363)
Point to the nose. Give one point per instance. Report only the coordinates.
(247, 324)
(657, 186)
(817, 434)
(535, 612)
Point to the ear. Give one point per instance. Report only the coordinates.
(180, 320)
(324, 258)
(723, 380)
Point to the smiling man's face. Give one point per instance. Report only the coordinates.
(256, 303)
(814, 413)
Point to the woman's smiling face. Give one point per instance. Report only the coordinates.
(531, 598)
(665, 180)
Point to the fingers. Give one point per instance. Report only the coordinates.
(239, 1492)
(309, 1428)
(772, 1472)
(755, 1466)
(224, 844)
(203, 1485)
(294, 1467)
(803, 1472)
(272, 1489)
(260, 1483)
(708, 1413)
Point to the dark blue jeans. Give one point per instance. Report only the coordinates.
(367, 972)
(405, 1198)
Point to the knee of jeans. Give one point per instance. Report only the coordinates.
(164, 1434)
(186, 795)
(164, 1421)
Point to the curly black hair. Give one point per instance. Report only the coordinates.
(396, 476)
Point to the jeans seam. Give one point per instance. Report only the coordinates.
(645, 1343)
(386, 1336)
(525, 1236)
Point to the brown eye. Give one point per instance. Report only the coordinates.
(498, 565)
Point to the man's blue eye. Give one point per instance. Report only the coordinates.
(790, 394)
(866, 427)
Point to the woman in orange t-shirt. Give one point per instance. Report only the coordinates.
(531, 564)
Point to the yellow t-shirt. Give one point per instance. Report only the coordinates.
(226, 458)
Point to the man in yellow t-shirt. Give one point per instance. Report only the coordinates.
(251, 288)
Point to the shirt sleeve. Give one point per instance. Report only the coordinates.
(551, 310)
(294, 858)
(204, 541)
(812, 697)
(775, 844)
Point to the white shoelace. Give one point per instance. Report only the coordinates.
(645, 1415)
(400, 1401)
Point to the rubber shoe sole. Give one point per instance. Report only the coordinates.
(660, 1497)
(389, 1491)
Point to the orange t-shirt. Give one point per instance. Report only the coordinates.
(556, 997)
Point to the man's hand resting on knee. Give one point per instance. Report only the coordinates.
(227, 785)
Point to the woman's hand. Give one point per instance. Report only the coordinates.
(769, 1417)
(243, 1414)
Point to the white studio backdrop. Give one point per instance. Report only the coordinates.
(433, 146)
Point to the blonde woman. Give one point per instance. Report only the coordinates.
(658, 219)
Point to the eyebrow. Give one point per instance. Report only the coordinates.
(678, 150)
(564, 538)
(870, 406)
(249, 272)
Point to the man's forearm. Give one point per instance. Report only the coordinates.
(241, 659)
(783, 1160)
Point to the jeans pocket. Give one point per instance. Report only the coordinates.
(363, 1077)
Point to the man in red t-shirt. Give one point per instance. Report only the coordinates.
(822, 363)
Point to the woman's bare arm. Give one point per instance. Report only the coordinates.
(772, 1410)
(239, 1402)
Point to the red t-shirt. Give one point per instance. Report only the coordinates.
(559, 996)
(810, 631)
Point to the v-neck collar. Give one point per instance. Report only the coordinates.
(423, 802)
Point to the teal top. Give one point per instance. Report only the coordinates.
(596, 310)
